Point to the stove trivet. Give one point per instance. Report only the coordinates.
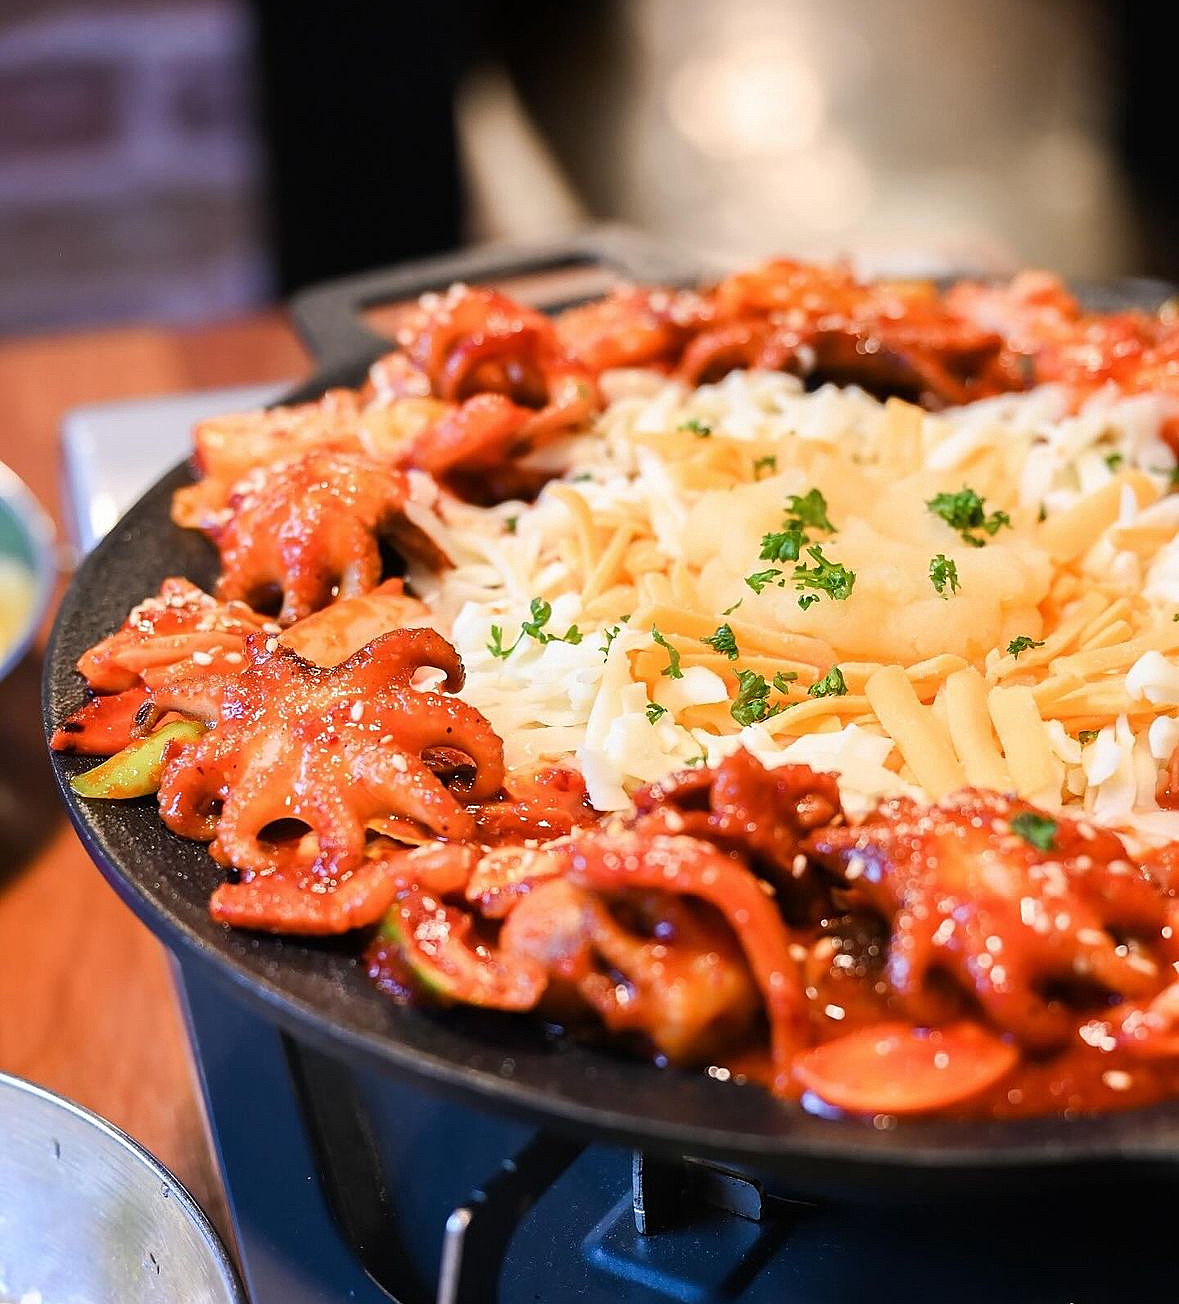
(344, 1184)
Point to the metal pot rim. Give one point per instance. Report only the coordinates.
(218, 1255)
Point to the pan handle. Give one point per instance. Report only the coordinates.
(329, 316)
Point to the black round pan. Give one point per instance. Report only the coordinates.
(319, 991)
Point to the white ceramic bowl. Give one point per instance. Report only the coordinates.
(26, 537)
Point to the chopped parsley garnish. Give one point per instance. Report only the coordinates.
(1021, 643)
(943, 574)
(728, 611)
(804, 512)
(759, 579)
(541, 613)
(672, 669)
(701, 429)
(832, 684)
(511, 523)
(824, 576)
(752, 702)
(1038, 830)
(769, 464)
(496, 646)
(783, 679)
(782, 545)
(1114, 460)
(655, 711)
(1087, 736)
(809, 511)
(966, 512)
(609, 635)
(722, 640)
(694, 761)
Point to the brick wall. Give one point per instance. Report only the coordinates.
(129, 163)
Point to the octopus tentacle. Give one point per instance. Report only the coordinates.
(1010, 922)
(684, 865)
(396, 781)
(333, 748)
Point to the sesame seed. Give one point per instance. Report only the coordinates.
(356, 713)
(1117, 1079)
(272, 645)
(202, 658)
(945, 930)
(941, 1060)
(835, 1012)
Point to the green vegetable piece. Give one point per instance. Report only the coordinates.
(451, 965)
(137, 769)
(1038, 830)
(655, 711)
(432, 980)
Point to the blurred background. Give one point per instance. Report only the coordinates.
(183, 160)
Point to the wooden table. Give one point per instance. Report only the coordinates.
(86, 1002)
